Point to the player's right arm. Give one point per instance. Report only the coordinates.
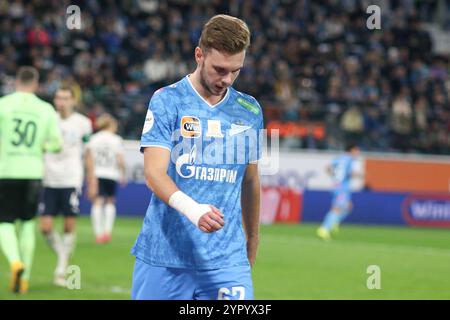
(156, 161)
(329, 170)
(156, 143)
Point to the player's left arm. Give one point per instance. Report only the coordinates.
(357, 170)
(250, 204)
(92, 181)
(357, 175)
(121, 163)
(89, 161)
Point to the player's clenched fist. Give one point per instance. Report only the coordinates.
(204, 216)
(211, 221)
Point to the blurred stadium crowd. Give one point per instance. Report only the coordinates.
(321, 76)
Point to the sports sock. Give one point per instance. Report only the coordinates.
(8, 242)
(69, 240)
(342, 216)
(54, 240)
(97, 219)
(68, 243)
(27, 243)
(330, 219)
(110, 215)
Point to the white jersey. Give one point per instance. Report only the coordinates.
(65, 169)
(105, 146)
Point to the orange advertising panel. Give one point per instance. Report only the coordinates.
(408, 175)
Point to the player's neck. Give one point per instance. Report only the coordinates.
(25, 89)
(65, 115)
(202, 91)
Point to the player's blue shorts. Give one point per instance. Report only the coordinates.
(162, 283)
(341, 200)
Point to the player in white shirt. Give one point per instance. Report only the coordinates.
(106, 167)
(63, 179)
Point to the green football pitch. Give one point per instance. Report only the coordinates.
(292, 264)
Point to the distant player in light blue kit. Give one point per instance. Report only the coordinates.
(201, 145)
(341, 170)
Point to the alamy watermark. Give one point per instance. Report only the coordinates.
(374, 279)
(374, 20)
(198, 156)
(73, 17)
(73, 277)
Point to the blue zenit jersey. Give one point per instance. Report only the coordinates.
(342, 168)
(211, 147)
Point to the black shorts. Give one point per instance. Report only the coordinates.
(107, 187)
(19, 199)
(57, 201)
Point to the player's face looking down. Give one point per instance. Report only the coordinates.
(64, 102)
(355, 152)
(218, 70)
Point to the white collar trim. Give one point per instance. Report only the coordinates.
(204, 100)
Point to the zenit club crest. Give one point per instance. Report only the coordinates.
(190, 127)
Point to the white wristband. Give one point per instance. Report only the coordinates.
(188, 206)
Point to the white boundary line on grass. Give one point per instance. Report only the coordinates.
(361, 244)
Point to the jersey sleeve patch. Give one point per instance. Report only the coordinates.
(86, 138)
(159, 122)
(149, 120)
(247, 105)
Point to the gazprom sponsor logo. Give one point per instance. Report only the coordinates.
(241, 144)
(186, 168)
(427, 210)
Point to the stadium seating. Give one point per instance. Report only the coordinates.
(309, 62)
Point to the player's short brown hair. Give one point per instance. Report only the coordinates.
(105, 121)
(225, 34)
(65, 87)
(27, 75)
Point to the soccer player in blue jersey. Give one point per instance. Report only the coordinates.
(200, 143)
(341, 170)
